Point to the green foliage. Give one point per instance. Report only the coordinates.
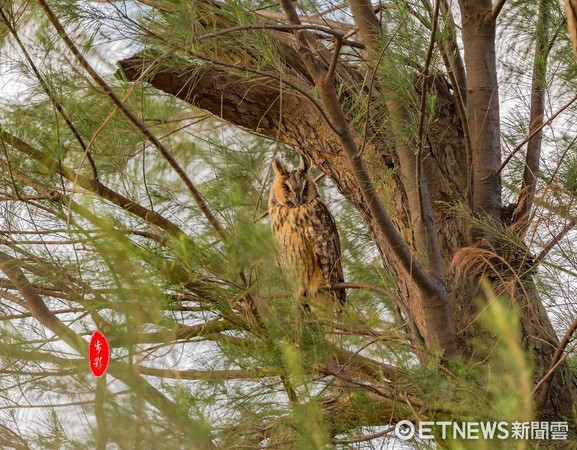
(209, 340)
(498, 390)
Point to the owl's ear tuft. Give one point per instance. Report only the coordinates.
(305, 164)
(279, 167)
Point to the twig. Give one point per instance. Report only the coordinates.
(534, 132)
(193, 374)
(497, 9)
(132, 118)
(335, 59)
(280, 27)
(48, 92)
(558, 357)
(553, 242)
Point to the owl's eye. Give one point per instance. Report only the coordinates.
(285, 188)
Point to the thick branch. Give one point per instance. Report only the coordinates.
(538, 88)
(483, 105)
(365, 19)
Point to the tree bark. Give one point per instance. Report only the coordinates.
(537, 111)
(478, 32)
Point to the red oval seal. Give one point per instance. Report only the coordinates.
(98, 354)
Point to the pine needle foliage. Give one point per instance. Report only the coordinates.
(128, 211)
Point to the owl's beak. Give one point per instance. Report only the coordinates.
(296, 198)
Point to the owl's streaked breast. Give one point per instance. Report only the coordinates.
(292, 228)
(305, 231)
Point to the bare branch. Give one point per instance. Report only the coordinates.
(132, 118)
(556, 239)
(541, 390)
(93, 186)
(537, 111)
(534, 132)
(323, 21)
(183, 332)
(192, 374)
(280, 27)
(497, 9)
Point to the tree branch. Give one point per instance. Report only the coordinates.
(497, 9)
(365, 19)
(192, 374)
(132, 118)
(553, 242)
(537, 111)
(479, 34)
(542, 388)
(93, 186)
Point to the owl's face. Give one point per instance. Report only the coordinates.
(292, 188)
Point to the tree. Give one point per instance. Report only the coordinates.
(451, 244)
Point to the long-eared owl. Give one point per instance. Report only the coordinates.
(305, 230)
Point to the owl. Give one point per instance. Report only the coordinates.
(305, 231)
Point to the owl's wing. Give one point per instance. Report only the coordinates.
(324, 240)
